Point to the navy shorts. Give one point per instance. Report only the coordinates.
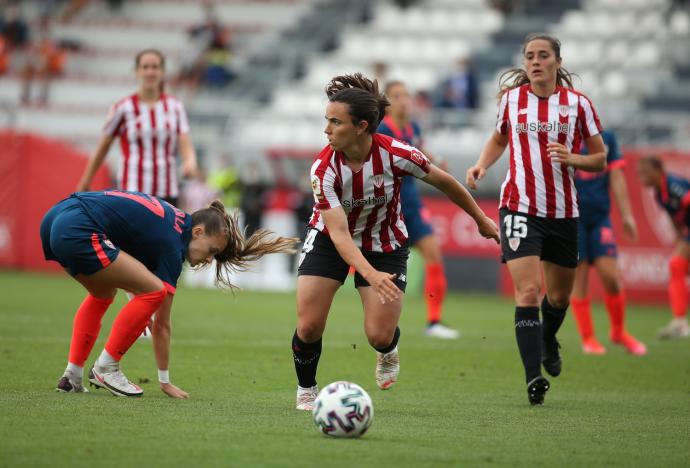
(319, 257)
(71, 238)
(596, 240)
(552, 240)
(415, 215)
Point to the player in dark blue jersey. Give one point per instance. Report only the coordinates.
(398, 124)
(597, 247)
(673, 194)
(136, 242)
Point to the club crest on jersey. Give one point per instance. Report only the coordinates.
(316, 184)
(378, 180)
(564, 110)
(514, 243)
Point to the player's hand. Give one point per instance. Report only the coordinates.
(474, 174)
(189, 168)
(630, 228)
(384, 286)
(560, 154)
(488, 229)
(174, 392)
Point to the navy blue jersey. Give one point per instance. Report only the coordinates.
(593, 187)
(147, 228)
(410, 199)
(674, 197)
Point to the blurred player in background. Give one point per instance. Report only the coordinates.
(129, 240)
(597, 247)
(673, 194)
(544, 119)
(356, 222)
(398, 124)
(152, 127)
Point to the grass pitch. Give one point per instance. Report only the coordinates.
(456, 403)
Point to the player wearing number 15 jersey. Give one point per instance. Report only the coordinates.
(544, 120)
(129, 240)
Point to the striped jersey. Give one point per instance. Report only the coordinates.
(370, 197)
(534, 185)
(148, 141)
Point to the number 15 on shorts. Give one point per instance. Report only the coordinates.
(516, 229)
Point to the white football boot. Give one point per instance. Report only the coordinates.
(387, 368)
(116, 382)
(444, 332)
(677, 328)
(306, 397)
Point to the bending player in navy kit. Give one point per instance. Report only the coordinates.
(597, 247)
(673, 194)
(356, 222)
(132, 241)
(397, 124)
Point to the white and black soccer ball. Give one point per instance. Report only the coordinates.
(343, 409)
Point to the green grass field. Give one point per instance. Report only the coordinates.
(456, 403)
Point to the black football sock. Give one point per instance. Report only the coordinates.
(394, 343)
(552, 319)
(306, 356)
(528, 336)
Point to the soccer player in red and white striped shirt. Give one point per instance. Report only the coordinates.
(357, 222)
(543, 119)
(152, 127)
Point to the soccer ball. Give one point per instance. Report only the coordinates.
(343, 409)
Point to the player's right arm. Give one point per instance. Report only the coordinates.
(161, 331)
(95, 163)
(335, 220)
(493, 149)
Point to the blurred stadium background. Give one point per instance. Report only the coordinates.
(260, 106)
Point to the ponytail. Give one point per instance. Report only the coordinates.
(240, 252)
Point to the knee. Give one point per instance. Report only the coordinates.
(309, 331)
(559, 301)
(528, 295)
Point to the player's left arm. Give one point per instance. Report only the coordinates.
(459, 195)
(620, 192)
(162, 331)
(188, 155)
(595, 161)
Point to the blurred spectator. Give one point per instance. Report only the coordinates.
(253, 198)
(4, 56)
(421, 107)
(75, 6)
(379, 72)
(404, 3)
(196, 193)
(207, 55)
(460, 90)
(44, 60)
(14, 29)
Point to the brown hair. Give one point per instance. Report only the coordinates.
(653, 161)
(517, 76)
(362, 96)
(137, 60)
(240, 251)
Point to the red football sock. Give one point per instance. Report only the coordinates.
(435, 286)
(615, 306)
(130, 322)
(582, 311)
(677, 287)
(87, 324)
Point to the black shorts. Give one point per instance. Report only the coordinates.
(552, 240)
(319, 257)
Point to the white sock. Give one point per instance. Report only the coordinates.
(74, 372)
(107, 363)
